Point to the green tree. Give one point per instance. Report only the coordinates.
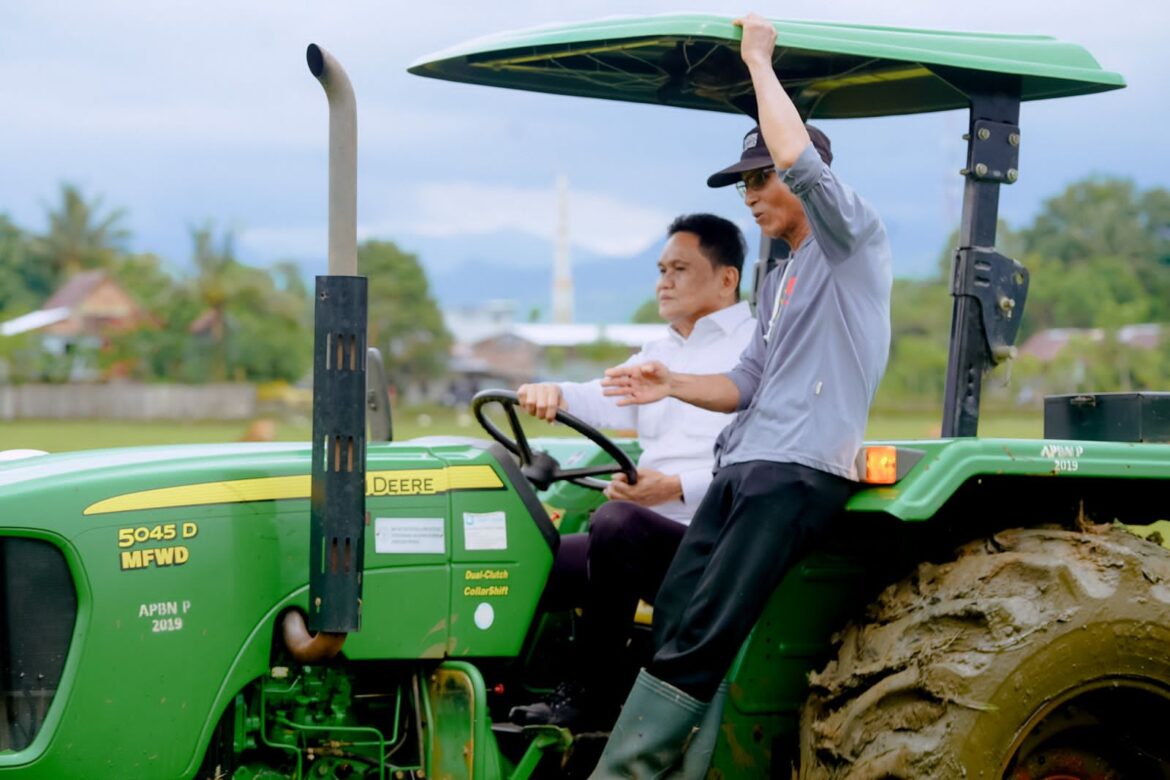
(146, 278)
(920, 316)
(405, 322)
(81, 236)
(1097, 217)
(213, 287)
(1156, 215)
(269, 322)
(225, 321)
(647, 313)
(1107, 292)
(159, 347)
(915, 374)
(1099, 258)
(248, 323)
(16, 294)
(921, 308)
(287, 277)
(1105, 244)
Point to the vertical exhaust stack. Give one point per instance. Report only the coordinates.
(338, 498)
(342, 160)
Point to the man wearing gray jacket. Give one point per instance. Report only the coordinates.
(785, 467)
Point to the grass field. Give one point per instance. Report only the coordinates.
(62, 435)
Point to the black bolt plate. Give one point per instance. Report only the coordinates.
(996, 152)
(991, 278)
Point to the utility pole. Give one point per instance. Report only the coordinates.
(562, 292)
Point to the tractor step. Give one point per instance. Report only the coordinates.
(575, 761)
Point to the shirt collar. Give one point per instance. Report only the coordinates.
(726, 319)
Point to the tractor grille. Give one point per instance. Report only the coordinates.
(38, 609)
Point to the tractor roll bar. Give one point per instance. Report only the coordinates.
(989, 289)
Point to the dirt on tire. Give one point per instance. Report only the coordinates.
(949, 664)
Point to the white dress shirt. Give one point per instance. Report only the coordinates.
(676, 437)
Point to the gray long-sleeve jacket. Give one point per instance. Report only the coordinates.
(810, 372)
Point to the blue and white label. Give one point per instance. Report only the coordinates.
(485, 531)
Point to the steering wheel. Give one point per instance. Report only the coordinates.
(539, 467)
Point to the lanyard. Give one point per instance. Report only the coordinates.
(779, 298)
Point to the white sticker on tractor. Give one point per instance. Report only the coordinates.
(484, 616)
(164, 616)
(1064, 457)
(485, 531)
(417, 535)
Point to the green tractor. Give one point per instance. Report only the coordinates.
(997, 609)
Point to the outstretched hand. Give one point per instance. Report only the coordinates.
(759, 39)
(641, 383)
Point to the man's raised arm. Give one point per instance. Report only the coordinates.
(645, 383)
(779, 120)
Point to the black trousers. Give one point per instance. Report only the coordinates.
(623, 558)
(756, 521)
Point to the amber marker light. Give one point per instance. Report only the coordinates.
(881, 465)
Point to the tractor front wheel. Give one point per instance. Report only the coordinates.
(1037, 654)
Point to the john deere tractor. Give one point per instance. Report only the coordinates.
(354, 607)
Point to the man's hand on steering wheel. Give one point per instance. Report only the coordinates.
(540, 467)
(541, 400)
(653, 487)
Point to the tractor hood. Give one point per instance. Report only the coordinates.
(831, 70)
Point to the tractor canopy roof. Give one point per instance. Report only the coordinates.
(831, 70)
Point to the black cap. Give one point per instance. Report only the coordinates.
(756, 155)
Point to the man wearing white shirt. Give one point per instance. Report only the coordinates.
(633, 537)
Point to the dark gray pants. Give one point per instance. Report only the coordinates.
(756, 521)
(623, 558)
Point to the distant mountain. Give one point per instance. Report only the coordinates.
(465, 271)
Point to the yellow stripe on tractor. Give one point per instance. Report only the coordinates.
(412, 482)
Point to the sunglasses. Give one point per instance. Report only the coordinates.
(753, 180)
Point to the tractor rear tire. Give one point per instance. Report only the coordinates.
(1037, 653)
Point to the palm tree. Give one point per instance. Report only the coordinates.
(80, 236)
(212, 286)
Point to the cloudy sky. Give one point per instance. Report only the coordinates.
(183, 112)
